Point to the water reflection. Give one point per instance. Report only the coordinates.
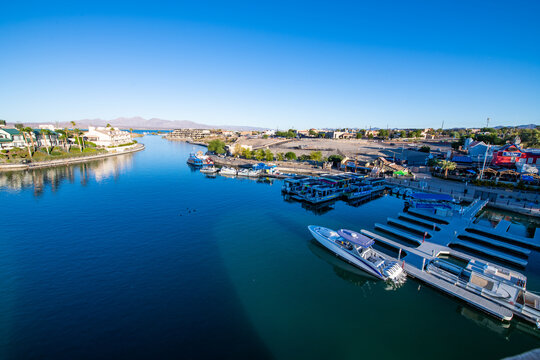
(504, 329)
(53, 177)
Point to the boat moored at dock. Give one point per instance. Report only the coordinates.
(209, 170)
(357, 249)
(200, 159)
(228, 171)
(502, 286)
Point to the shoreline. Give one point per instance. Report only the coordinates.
(68, 161)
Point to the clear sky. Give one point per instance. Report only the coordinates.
(273, 64)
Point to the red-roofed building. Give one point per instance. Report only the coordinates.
(511, 154)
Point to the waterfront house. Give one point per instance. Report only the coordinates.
(50, 138)
(10, 138)
(107, 136)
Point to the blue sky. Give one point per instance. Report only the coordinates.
(273, 64)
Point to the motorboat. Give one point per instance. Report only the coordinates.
(243, 172)
(209, 170)
(227, 171)
(500, 285)
(200, 159)
(254, 173)
(357, 249)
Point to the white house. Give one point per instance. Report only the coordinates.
(10, 138)
(107, 136)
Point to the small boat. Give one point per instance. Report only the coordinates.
(357, 249)
(199, 159)
(254, 173)
(227, 171)
(209, 170)
(243, 172)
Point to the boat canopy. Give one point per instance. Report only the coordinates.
(432, 197)
(356, 238)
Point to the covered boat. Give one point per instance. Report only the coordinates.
(200, 159)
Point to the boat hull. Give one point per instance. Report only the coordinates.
(345, 255)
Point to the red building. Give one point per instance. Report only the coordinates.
(511, 154)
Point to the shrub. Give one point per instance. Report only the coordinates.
(290, 155)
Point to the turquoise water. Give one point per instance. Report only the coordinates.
(139, 256)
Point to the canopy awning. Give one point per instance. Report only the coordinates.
(356, 238)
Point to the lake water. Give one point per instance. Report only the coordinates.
(139, 256)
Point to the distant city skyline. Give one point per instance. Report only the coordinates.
(301, 65)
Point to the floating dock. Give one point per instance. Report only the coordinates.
(409, 227)
(420, 221)
(443, 235)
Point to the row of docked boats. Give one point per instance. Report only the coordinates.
(230, 171)
(327, 187)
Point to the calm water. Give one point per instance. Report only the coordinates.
(141, 257)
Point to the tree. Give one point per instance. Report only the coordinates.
(433, 162)
(335, 159)
(46, 133)
(384, 133)
(216, 146)
(265, 136)
(316, 155)
(247, 153)
(259, 154)
(447, 165)
(312, 132)
(109, 125)
(268, 155)
(23, 130)
(425, 149)
(290, 155)
(370, 136)
(279, 156)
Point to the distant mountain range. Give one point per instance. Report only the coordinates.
(146, 124)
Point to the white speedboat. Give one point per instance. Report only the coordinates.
(209, 170)
(254, 173)
(357, 249)
(243, 172)
(227, 171)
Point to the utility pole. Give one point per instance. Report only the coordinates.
(485, 158)
(487, 122)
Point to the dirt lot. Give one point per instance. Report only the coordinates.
(361, 149)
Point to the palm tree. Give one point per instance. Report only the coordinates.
(447, 165)
(23, 130)
(45, 133)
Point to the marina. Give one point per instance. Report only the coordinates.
(423, 261)
(230, 240)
